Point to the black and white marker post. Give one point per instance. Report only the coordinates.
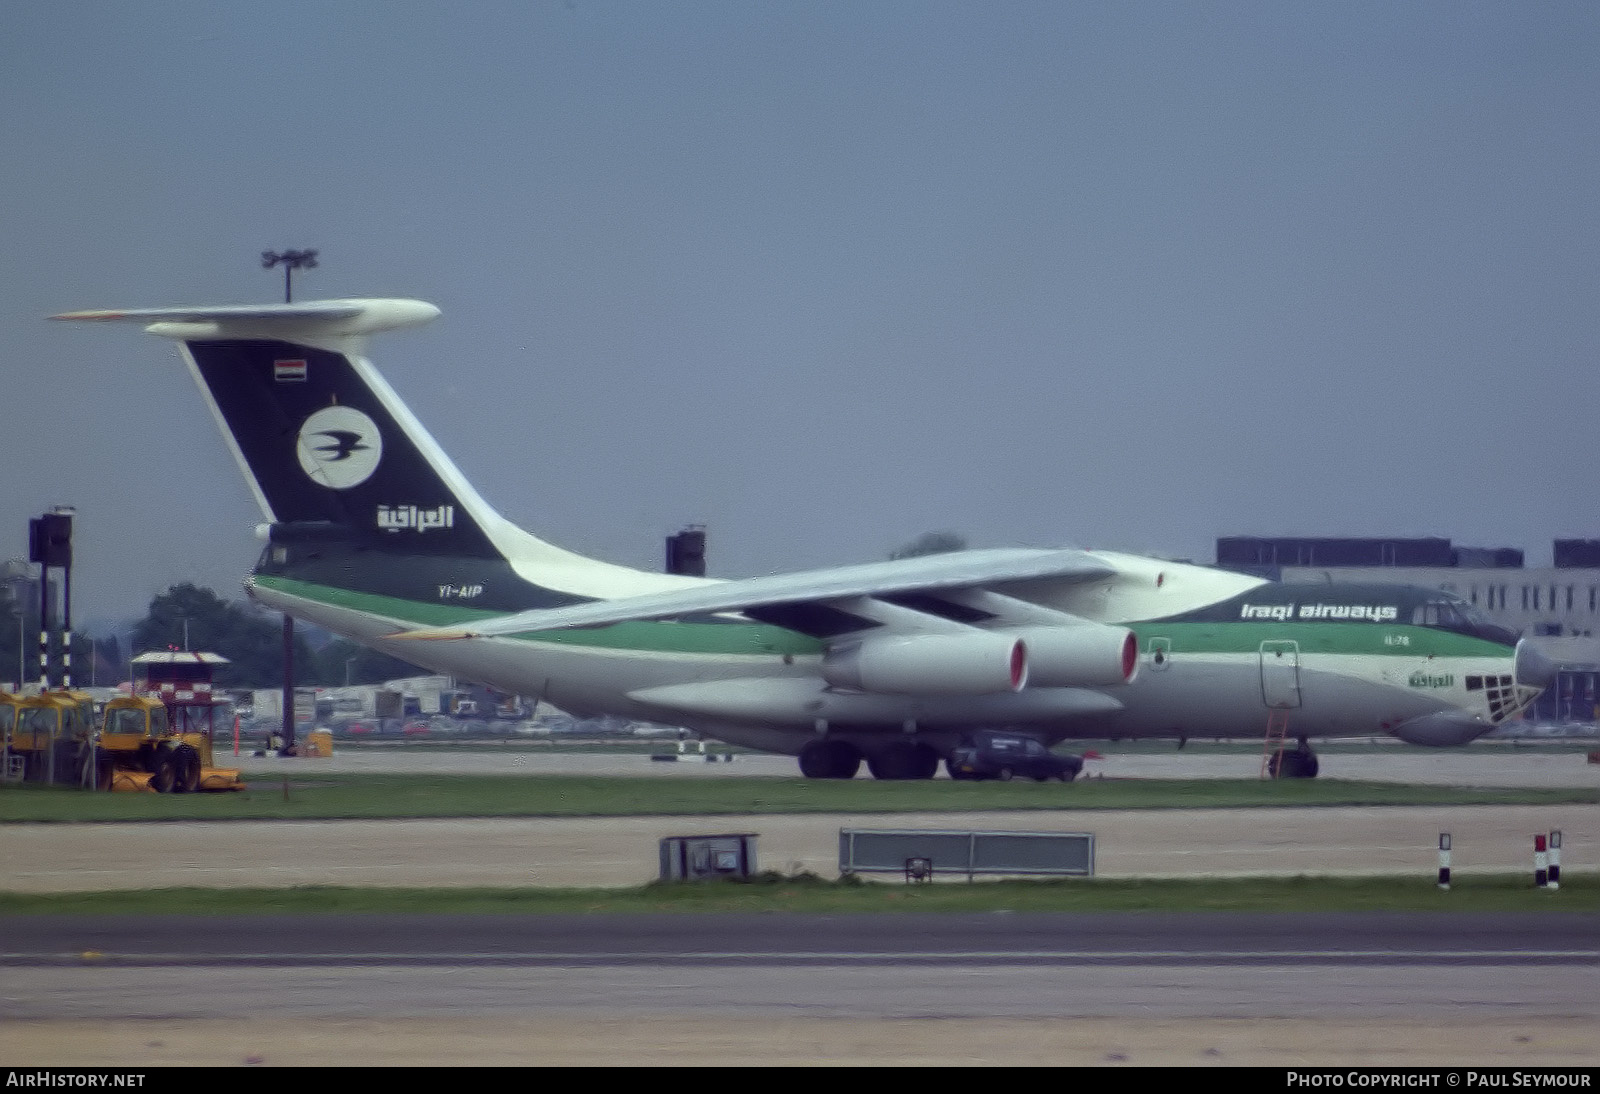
(50, 545)
(44, 627)
(1444, 862)
(1554, 874)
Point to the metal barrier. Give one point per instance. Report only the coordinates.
(877, 850)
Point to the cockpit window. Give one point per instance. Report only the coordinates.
(1451, 613)
(1474, 615)
(1440, 613)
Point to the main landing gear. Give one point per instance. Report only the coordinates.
(904, 761)
(841, 760)
(830, 760)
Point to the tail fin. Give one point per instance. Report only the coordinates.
(333, 454)
(321, 438)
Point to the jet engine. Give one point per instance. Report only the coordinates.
(1085, 655)
(978, 663)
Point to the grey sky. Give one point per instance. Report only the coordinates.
(825, 276)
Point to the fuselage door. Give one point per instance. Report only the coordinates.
(1280, 674)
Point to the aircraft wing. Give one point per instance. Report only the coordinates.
(981, 569)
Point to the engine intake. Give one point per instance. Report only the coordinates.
(979, 663)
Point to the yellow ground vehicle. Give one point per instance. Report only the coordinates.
(46, 737)
(144, 742)
(9, 705)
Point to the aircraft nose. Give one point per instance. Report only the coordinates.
(1533, 668)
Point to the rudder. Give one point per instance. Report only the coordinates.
(322, 444)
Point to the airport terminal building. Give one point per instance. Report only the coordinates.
(1558, 605)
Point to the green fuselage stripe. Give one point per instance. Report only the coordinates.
(760, 639)
(1384, 639)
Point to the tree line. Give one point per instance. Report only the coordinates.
(193, 617)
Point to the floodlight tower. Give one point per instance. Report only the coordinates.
(290, 261)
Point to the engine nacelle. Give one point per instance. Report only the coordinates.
(979, 663)
(1083, 656)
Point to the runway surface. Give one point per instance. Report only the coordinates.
(1204, 989)
(1553, 939)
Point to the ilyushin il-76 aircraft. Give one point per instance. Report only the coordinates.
(374, 534)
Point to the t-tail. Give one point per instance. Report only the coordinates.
(363, 505)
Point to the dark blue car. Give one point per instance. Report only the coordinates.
(991, 754)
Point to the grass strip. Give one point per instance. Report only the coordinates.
(1580, 892)
(374, 797)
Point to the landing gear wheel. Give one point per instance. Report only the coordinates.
(904, 761)
(1004, 774)
(186, 769)
(830, 760)
(165, 777)
(1300, 763)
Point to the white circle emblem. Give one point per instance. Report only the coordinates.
(339, 447)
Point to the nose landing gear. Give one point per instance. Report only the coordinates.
(1278, 761)
(1294, 763)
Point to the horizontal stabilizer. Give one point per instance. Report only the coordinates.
(334, 317)
(957, 570)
